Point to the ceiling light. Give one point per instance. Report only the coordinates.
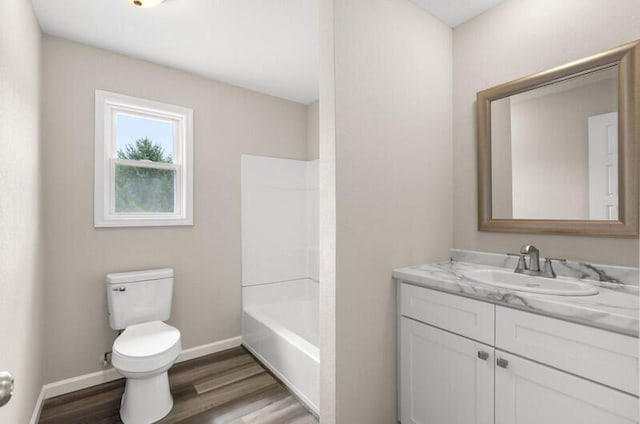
(145, 3)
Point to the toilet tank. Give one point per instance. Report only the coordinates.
(138, 297)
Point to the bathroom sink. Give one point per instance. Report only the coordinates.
(520, 282)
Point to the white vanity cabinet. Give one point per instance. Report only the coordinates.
(530, 393)
(443, 379)
(464, 361)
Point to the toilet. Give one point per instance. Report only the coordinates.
(138, 303)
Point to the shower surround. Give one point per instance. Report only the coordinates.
(280, 322)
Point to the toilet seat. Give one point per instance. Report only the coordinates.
(146, 347)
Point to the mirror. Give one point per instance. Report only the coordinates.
(557, 151)
(554, 150)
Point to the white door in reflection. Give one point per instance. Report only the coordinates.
(603, 167)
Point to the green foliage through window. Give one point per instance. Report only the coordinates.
(140, 189)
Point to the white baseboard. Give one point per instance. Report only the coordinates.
(88, 380)
(80, 382)
(36, 411)
(208, 349)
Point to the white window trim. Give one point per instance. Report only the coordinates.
(106, 106)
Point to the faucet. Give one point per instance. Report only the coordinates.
(534, 263)
(534, 259)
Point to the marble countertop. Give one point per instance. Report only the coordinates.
(614, 308)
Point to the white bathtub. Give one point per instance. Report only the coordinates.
(280, 326)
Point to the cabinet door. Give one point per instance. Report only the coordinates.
(530, 393)
(444, 379)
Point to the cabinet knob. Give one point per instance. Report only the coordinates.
(483, 355)
(502, 363)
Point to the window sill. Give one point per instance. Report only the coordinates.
(184, 222)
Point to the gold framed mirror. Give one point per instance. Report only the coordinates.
(558, 150)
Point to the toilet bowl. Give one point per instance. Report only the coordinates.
(143, 354)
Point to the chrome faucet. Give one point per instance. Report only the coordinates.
(534, 260)
(533, 268)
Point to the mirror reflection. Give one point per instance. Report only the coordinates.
(554, 150)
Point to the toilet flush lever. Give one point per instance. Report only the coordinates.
(120, 289)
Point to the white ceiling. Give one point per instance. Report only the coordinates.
(266, 46)
(455, 12)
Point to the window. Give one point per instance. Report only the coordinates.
(143, 162)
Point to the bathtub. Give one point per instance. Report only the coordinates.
(280, 326)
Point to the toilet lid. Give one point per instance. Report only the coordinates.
(148, 339)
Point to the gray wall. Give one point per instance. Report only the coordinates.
(229, 121)
(327, 213)
(21, 282)
(393, 162)
(313, 131)
(514, 39)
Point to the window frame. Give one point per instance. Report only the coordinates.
(107, 107)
